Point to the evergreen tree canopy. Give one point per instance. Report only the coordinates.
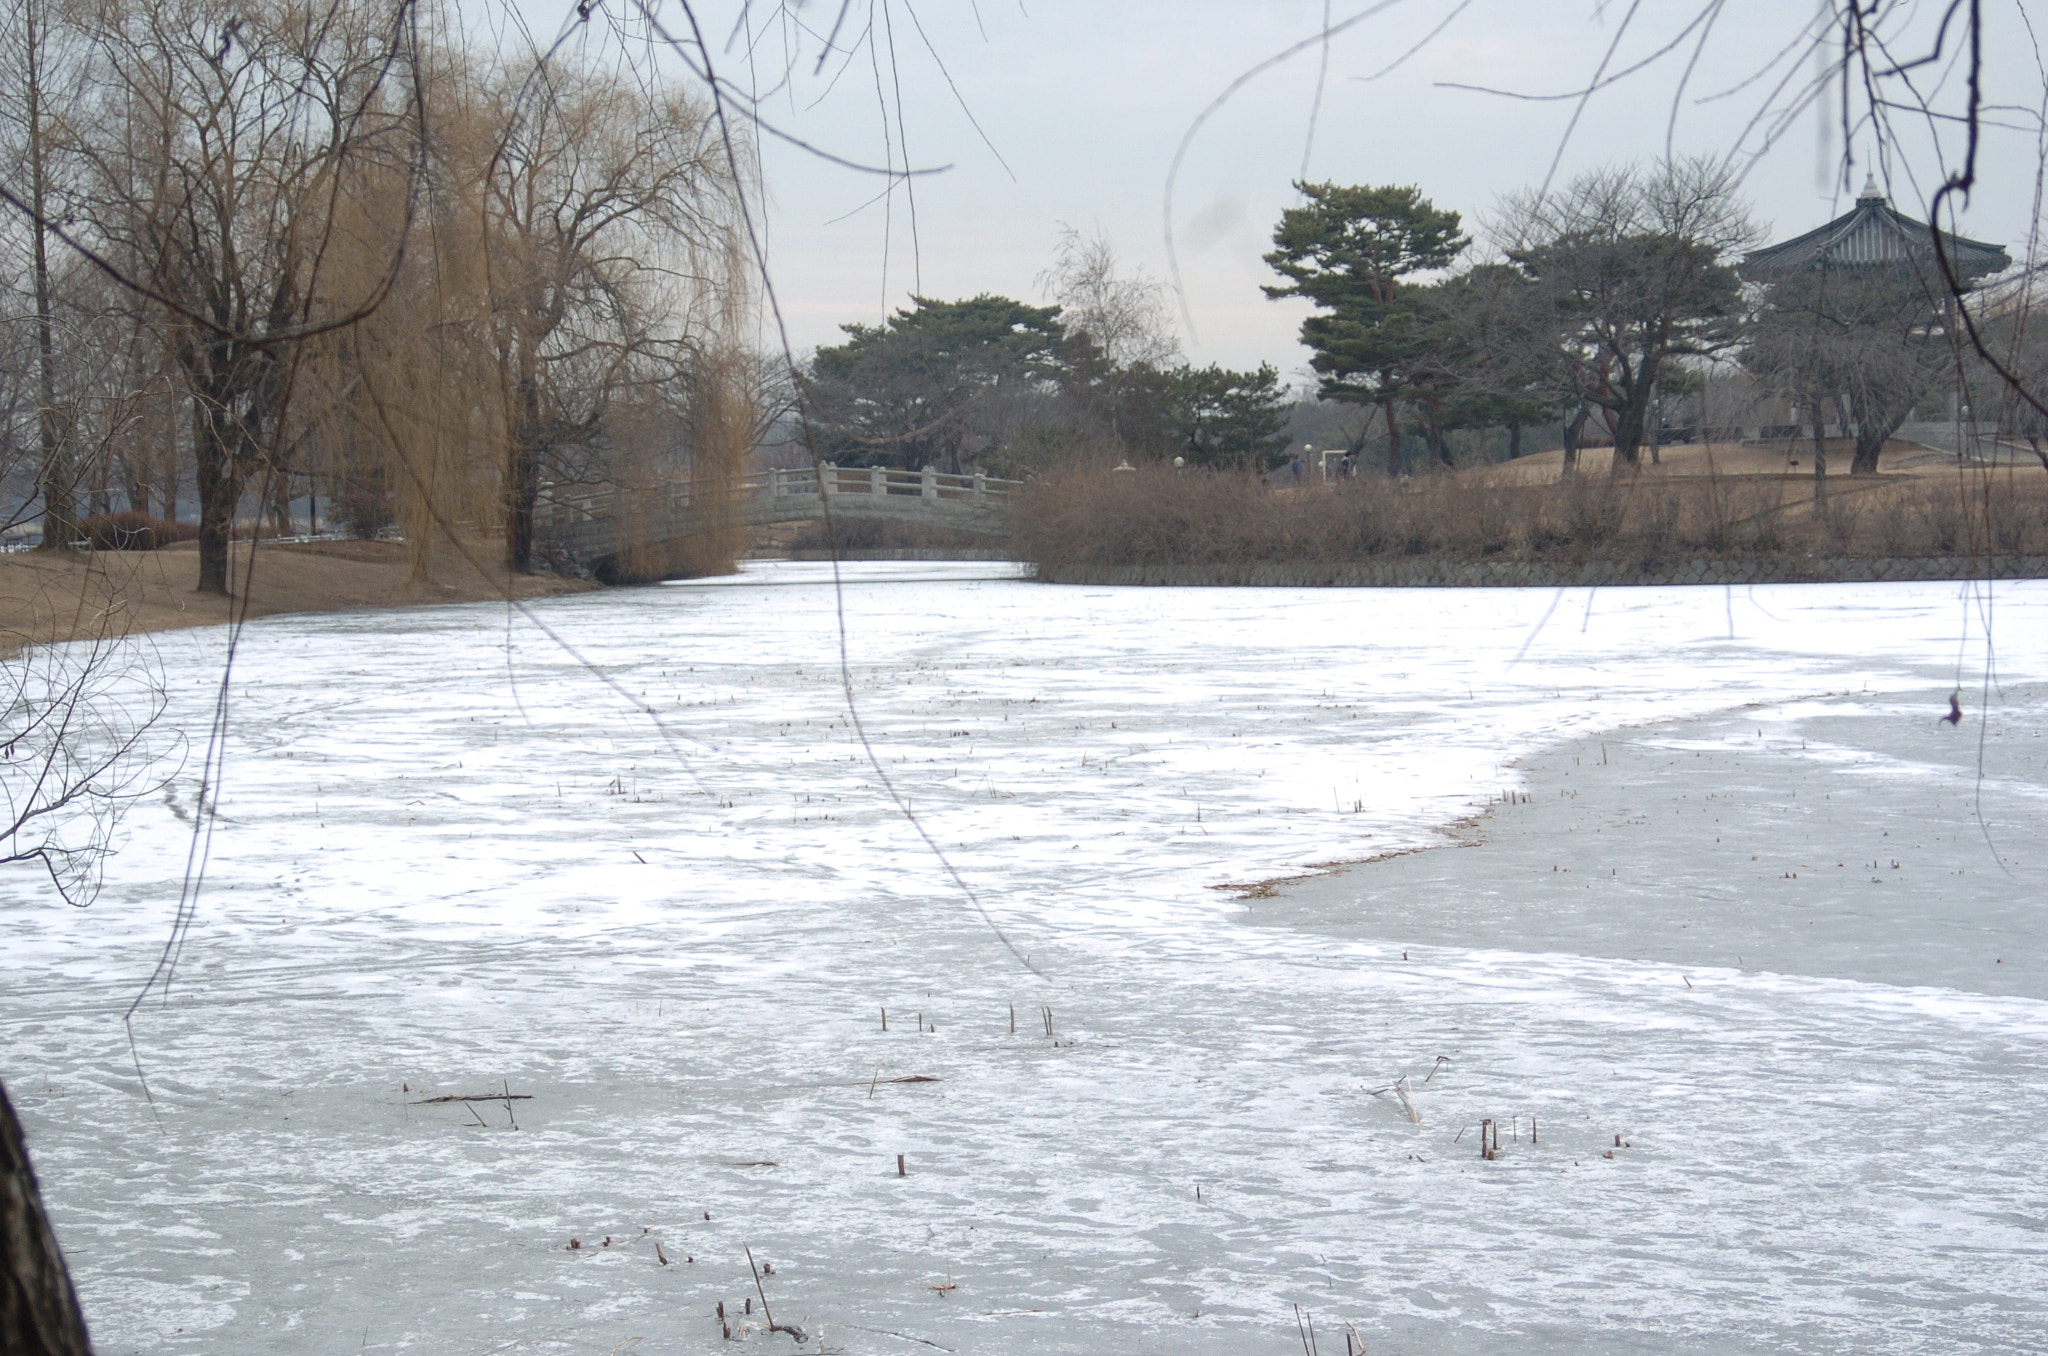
(1222, 418)
(1348, 250)
(909, 391)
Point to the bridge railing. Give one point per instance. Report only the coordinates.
(557, 508)
(977, 489)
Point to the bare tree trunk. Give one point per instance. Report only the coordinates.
(281, 502)
(1875, 425)
(134, 487)
(1433, 437)
(220, 493)
(1628, 435)
(522, 480)
(1393, 439)
(1572, 428)
(1820, 463)
(172, 470)
(39, 1314)
(1514, 441)
(60, 513)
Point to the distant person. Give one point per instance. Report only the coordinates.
(1295, 468)
(1345, 465)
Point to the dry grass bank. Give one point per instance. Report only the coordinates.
(55, 596)
(1777, 458)
(1156, 517)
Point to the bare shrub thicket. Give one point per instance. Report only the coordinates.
(1154, 516)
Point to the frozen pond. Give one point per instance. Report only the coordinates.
(449, 860)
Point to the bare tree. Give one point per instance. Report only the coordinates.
(1876, 338)
(2023, 346)
(213, 153)
(32, 59)
(1634, 266)
(1126, 313)
(599, 195)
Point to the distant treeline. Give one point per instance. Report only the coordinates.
(1625, 308)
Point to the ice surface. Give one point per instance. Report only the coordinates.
(449, 860)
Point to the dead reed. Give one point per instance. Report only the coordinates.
(1155, 516)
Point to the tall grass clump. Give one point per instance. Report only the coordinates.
(1155, 516)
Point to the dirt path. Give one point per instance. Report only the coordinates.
(52, 597)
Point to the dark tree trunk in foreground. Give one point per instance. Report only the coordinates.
(38, 1309)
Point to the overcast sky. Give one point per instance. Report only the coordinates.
(1084, 102)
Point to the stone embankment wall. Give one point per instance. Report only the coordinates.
(1552, 574)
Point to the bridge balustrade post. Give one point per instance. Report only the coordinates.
(929, 483)
(828, 478)
(878, 481)
(980, 487)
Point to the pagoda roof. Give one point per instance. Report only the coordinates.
(1873, 234)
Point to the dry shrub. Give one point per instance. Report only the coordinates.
(1838, 519)
(133, 532)
(1545, 529)
(1763, 528)
(2011, 523)
(1493, 522)
(1149, 516)
(1713, 515)
(1895, 526)
(1942, 516)
(1154, 516)
(1656, 520)
(1592, 509)
(1446, 515)
(1360, 523)
(1421, 522)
